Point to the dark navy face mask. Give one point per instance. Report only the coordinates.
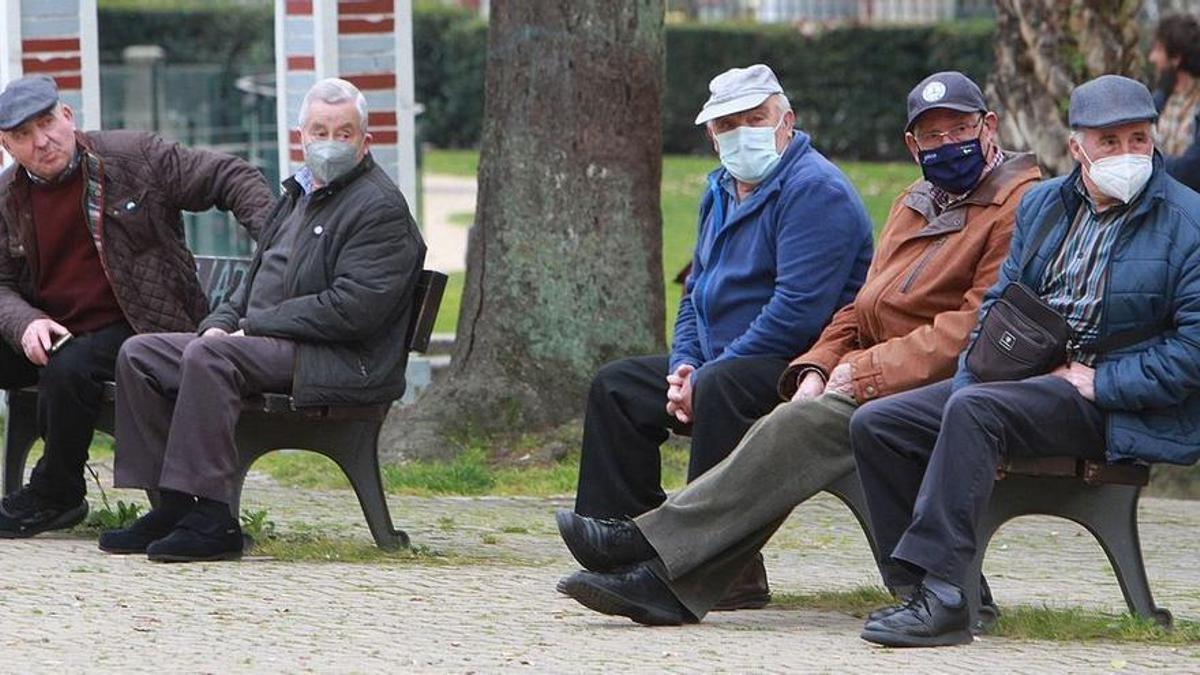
(954, 167)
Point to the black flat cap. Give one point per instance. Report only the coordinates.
(25, 98)
(949, 89)
(1110, 100)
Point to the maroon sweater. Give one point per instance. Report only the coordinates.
(71, 285)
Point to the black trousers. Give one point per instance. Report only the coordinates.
(620, 474)
(69, 391)
(927, 460)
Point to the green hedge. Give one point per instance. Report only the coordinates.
(847, 85)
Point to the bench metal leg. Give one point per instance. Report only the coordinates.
(849, 489)
(351, 445)
(20, 432)
(1108, 512)
(362, 468)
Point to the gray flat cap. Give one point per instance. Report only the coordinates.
(24, 98)
(950, 90)
(1110, 100)
(739, 89)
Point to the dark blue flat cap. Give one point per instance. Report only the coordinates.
(25, 98)
(950, 89)
(1110, 100)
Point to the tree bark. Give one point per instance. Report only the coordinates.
(564, 263)
(1043, 49)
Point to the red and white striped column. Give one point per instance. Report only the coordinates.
(55, 38)
(369, 43)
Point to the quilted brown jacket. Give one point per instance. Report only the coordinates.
(920, 301)
(136, 187)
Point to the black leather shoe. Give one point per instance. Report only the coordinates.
(922, 622)
(988, 611)
(636, 594)
(144, 531)
(749, 590)
(602, 544)
(200, 536)
(24, 513)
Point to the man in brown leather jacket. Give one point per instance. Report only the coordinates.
(92, 251)
(940, 250)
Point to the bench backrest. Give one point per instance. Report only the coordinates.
(220, 277)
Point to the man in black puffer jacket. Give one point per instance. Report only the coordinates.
(323, 314)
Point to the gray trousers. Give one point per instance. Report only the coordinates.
(179, 397)
(706, 533)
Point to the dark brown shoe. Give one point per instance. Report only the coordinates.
(749, 590)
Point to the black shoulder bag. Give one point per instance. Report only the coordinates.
(1022, 336)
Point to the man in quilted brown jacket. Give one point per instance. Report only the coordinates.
(940, 250)
(91, 252)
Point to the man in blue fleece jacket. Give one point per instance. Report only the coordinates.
(783, 242)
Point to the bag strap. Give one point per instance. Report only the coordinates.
(1124, 339)
(1056, 211)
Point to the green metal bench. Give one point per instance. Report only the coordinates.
(348, 435)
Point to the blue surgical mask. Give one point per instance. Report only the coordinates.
(954, 167)
(748, 153)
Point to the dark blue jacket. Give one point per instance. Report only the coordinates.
(1184, 167)
(1150, 391)
(794, 251)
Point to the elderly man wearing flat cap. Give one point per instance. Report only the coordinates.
(940, 251)
(783, 241)
(1112, 254)
(91, 252)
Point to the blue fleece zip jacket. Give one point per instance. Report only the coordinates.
(768, 273)
(1149, 392)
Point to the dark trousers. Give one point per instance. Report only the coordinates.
(928, 460)
(620, 473)
(70, 387)
(178, 401)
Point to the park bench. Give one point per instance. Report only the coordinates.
(348, 435)
(1101, 497)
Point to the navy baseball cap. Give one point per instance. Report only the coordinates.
(948, 89)
(26, 98)
(1109, 101)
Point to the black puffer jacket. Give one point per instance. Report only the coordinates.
(349, 284)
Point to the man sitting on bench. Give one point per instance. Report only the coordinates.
(1115, 249)
(940, 251)
(323, 314)
(91, 252)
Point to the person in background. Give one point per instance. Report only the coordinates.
(1175, 56)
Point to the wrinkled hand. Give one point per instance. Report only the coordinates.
(214, 332)
(679, 393)
(37, 338)
(812, 386)
(841, 381)
(1081, 377)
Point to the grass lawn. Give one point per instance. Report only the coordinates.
(683, 182)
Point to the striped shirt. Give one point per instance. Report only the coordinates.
(1073, 283)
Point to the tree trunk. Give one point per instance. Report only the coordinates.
(1043, 49)
(564, 263)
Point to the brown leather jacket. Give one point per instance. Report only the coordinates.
(919, 303)
(136, 186)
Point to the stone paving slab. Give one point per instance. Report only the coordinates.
(69, 608)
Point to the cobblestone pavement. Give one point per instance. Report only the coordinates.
(69, 608)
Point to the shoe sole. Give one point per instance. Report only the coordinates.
(566, 530)
(121, 551)
(892, 639)
(606, 602)
(174, 558)
(66, 521)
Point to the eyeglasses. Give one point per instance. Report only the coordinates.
(927, 140)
